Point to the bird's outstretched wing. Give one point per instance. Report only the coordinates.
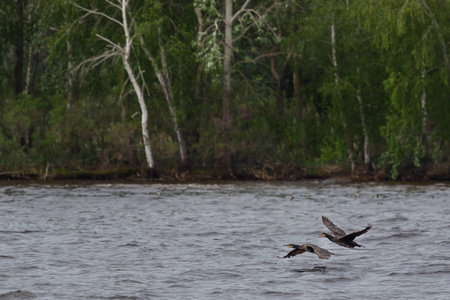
(321, 253)
(353, 235)
(337, 232)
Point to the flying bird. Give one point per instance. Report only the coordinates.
(321, 253)
(340, 237)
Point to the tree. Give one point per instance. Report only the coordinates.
(246, 18)
(413, 49)
(124, 52)
(18, 70)
(350, 82)
(151, 23)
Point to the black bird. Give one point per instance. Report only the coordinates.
(340, 237)
(321, 253)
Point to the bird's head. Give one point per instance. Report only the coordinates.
(325, 235)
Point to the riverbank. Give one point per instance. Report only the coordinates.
(267, 173)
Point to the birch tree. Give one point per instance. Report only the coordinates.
(162, 73)
(362, 113)
(35, 36)
(415, 54)
(361, 104)
(337, 81)
(351, 73)
(124, 52)
(219, 48)
(19, 48)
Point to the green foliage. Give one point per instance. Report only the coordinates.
(23, 130)
(291, 104)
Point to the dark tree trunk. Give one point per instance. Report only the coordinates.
(72, 78)
(33, 61)
(279, 81)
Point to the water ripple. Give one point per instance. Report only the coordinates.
(203, 241)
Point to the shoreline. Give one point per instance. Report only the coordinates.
(437, 174)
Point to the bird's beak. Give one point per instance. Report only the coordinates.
(322, 234)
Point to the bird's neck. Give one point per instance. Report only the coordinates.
(328, 236)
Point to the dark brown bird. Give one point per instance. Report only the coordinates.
(321, 253)
(340, 237)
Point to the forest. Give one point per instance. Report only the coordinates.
(230, 89)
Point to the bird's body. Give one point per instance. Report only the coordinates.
(300, 249)
(340, 237)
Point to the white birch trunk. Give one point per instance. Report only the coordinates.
(223, 161)
(31, 70)
(367, 160)
(124, 52)
(164, 80)
(228, 52)
(336, 80)
(423, 104)
(167, 87)
(435, 23)
(137, 88)
(70, 74)
(201, 29)
(333, 54)
(144, 114)
(32, 57)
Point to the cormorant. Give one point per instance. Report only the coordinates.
(340, 237)
(321, 253)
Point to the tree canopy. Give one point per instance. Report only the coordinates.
(268, 89)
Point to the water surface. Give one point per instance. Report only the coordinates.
(223, 241)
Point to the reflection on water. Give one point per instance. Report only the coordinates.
(203, 241)
(321, 269)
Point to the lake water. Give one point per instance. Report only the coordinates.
(223, 241)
